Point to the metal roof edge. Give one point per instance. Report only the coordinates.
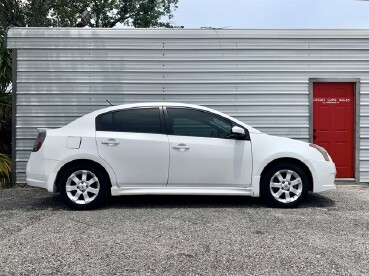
(42, 32)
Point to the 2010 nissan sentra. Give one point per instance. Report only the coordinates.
(173, 148)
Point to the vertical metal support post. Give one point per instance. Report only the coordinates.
(357, 131)
(311, 113)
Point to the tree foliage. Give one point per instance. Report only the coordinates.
(5, 114)
(12, 12)
(5, 99)
(109, 13)
(105, 13)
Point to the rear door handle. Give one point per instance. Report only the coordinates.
(110, 142)
(181, 147)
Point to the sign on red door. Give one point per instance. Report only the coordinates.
(333, 126)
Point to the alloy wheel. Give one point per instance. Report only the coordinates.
(286, 186)
(82, 187)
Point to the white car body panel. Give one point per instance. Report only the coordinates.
(140, 159)
(158, 174)
(209, 162)
(43, 166)
(182, 191)
(271, 148)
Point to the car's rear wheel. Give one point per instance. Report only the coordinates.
(84, 187)
(284, 185)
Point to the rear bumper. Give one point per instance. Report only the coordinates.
(40, 172)
(324, 175)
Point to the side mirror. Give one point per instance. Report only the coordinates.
(238, 131)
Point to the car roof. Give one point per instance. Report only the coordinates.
(156, 104)
(151, 104)
(92, 115)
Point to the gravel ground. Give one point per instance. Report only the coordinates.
(185, 235)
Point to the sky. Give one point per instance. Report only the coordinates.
(272, 14)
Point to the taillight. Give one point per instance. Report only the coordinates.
(39, 140)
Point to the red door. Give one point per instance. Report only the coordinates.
(334, 123)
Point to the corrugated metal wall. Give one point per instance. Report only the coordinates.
(258, 76)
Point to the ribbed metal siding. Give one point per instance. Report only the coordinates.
(259, 76)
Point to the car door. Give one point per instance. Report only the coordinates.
(132, 141)
(203, 151)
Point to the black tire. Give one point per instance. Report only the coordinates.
(102, 185)
(287, 197)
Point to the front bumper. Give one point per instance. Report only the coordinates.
(40, 172)
(324, 175)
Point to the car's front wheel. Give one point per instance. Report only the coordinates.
(84, 187)
(284, 185)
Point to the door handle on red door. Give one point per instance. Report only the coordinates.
(110, 142)
(181, 147)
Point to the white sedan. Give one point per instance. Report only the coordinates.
(171, 148)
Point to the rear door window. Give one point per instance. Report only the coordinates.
(140, 120)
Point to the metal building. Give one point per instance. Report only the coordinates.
(311, 85)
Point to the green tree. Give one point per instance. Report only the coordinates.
(5, 113)
(12, 12)
(109, 13)
(105, 13)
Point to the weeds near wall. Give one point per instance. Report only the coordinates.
(5, 170)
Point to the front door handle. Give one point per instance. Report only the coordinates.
(181, 147)
(110, 142)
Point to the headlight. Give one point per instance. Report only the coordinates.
(321, 150)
